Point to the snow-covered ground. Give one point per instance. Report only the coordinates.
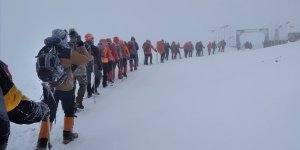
(237, 100)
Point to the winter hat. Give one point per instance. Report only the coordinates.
(108, 40)
(62, 35)
(132, 38)
(121, 42)
(73, 33)
(103, 41)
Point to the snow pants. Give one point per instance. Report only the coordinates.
(82, 81)
(67, 99)
(147, 56)
(105, 67)
(167, 54)
(133, 62)
(162, 57)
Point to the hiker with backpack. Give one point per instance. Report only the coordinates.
(186, 49)
(209, 47)
(173, 49)
(133, 55)
(79, 72)
(147, 46)
(190, 48)
(112, 63)
(167, 50)
(105, 58)
(136, 47)
(223, 44)
(125, 56)
(219, 46)
(177, 50)
(199, 49)
(94, 65)
(118, 56)
(214, 46)
(160, 46)
(16, 107)
(57, 45)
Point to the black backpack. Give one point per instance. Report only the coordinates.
(48, 66)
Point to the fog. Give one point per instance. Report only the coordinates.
(25, 24)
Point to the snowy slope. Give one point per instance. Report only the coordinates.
(238, 100)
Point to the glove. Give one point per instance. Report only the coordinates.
(99, 67)
(43, 110)
(74, 67)
(79, 42)
(73, 33)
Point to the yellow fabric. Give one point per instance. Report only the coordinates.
(12, 98)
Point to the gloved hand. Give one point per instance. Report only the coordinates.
(79, 42)
(100, 68)
(73, 33)
(43, 110)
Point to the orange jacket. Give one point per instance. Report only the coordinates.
(124, 49)
(160, 46)
(106, 55)
(105, 51)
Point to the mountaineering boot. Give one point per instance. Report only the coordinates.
(124, 74)
(69, 136)
(79, 105)
(89, 90)
(104, 84)
(42, 144)
(68, 133)
(95, 91)
(43, 136)
(131, 67)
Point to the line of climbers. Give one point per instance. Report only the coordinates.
(80, 61)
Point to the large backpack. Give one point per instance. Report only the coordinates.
(119, 50)
(48, 66)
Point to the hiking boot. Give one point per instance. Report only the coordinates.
(96, 92)
(69, 136)
(104, 85)
(89, 94)
(42, 144)
(79, 105)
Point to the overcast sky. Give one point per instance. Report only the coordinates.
(27, 22)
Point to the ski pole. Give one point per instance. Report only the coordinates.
(49, 130)
(94, 82)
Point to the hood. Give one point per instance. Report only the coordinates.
(116, 39)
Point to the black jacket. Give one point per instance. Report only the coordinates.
(93, 50)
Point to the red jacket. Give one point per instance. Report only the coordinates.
(147, 46)
(160, 47)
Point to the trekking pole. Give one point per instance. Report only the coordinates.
(94, 82)
(157, 57)
(49, 130)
